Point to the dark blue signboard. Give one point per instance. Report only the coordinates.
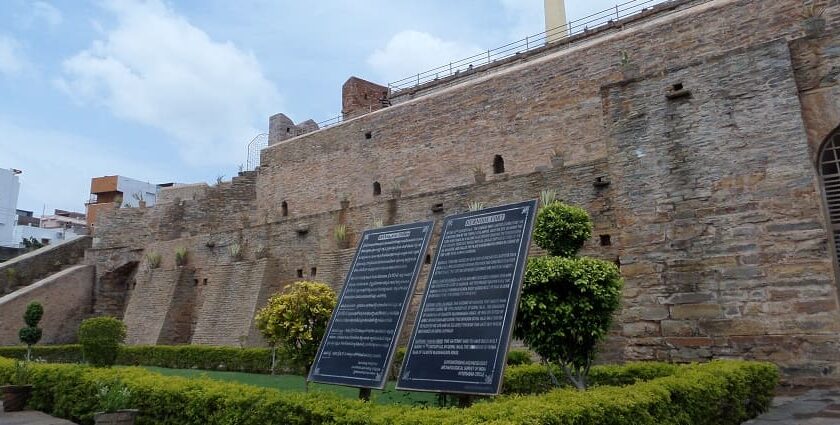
(361, 337)
(462, 332)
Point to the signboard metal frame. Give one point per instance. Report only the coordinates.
(527, 207)
(366, 382)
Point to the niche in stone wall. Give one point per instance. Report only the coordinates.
(284, 208)
(498, 165)
(377, 189)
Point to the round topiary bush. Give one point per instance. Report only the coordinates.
(31, 334)
(562, 229)
(100, 338)
(566, 309)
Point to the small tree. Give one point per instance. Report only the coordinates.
(567, 302)
(296, 320)
(100, 338)
(31, 333)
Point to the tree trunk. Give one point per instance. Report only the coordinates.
(29, 352)
(273, 358)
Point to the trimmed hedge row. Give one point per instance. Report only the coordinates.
(717, 393)
(535, 379)
(252, 360)
(203, 357)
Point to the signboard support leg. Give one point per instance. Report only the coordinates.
(364, 394)
(464, 400)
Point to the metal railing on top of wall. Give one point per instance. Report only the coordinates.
(529, 43)
(532, 42)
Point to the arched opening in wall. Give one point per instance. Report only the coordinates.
(111, 291)
(829, 169)
(284, 208)
(377, 189)
(498, 165)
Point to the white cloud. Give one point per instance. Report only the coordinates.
(527, 17)
(157, 69)
(43, 11)
(11, 59)
(409, 52)
(57, 167)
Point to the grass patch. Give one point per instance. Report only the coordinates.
(296, 383)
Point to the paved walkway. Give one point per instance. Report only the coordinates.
(815, 407)
(29, 417)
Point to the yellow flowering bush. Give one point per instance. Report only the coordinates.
(296, 320)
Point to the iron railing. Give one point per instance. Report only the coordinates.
(531, 42)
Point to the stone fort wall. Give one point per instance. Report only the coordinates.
(695, 159)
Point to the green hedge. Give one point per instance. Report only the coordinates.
(203, 357)
(253, 360)
(717, 393)
(535, 379)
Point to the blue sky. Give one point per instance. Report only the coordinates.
(167, 91)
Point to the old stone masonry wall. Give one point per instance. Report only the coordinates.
(690, 136)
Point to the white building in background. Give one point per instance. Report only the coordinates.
(9, 190)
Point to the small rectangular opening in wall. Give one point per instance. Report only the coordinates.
(300, 273)
(205, 282)
(368, 135)
(428, 259)
(195, 282)
(313, 271)
(677, 87)
(606, 240)
(437, 208)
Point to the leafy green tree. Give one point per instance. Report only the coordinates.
(296, 320)
(567, 302)
(100, 338)
(31, 333)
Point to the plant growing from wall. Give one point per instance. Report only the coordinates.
(396, 188)
(181, 256)
(340, 234)
(547, 196)
(475, 206)
(235, 251)
(31, 333)
(153, 260)
(261, 251)
(478, 174)
(100, 338)
(295, 320)
(567, 302)
(377, 223)
(11, 275)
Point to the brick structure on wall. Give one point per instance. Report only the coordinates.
(695, 157)
(359, 97)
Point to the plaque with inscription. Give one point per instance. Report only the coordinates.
(362, 334)
(463, 328)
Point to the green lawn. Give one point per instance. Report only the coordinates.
(296, 383)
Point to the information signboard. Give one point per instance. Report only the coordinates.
(362, 334)
(462, 332)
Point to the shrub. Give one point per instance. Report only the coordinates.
(181, 256)
(717, 393)
(153, 260)
(562, 229)
(296, 320)
(113, 396)
(100, 338)
(31, 334)
(567, 302)
(536, 379)
(519, 357)
(566, 309)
